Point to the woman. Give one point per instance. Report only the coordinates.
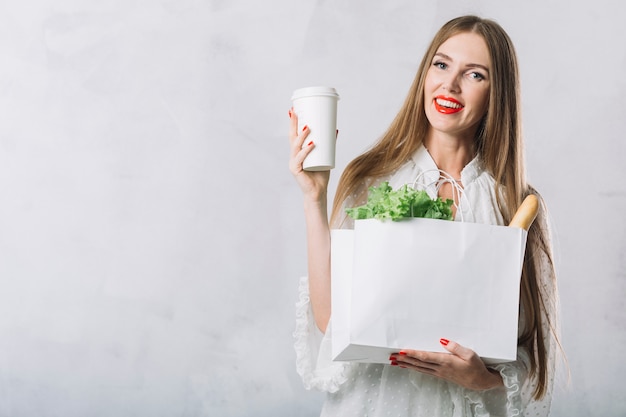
(461, 117)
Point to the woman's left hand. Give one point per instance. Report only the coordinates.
(462, 366)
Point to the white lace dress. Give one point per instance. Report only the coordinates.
(356, 389)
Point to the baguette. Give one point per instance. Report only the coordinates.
(526, 213)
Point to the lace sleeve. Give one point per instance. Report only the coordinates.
(313, 348)
(504, 401)
(515, 398)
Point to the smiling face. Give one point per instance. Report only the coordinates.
(456, 88)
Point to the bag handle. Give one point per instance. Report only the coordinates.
(445, 178)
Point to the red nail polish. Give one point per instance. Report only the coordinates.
(290, 113)
(444, 341)
(310, 143)
(394, 363)
(403, 353)
(304, 128)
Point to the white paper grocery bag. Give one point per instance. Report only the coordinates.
(406, 284)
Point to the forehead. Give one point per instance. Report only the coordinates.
(466, 48)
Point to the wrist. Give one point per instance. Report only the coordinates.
(316, 201)
(494, 380)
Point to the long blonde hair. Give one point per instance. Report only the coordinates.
(500, 147)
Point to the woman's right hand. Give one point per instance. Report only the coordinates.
(314, 184)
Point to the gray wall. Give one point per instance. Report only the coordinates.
(151, 236)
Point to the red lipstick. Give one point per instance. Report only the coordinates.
(447, 105)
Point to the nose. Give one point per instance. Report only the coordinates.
(451, 84)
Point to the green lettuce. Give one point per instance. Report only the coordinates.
(383, 202)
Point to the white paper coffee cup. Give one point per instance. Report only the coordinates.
(316, 107)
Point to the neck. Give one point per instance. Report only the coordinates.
(450, 153)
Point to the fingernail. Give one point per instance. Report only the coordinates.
(403, 353)
(304, 128)
(392, 357)
(310, 143)
(290, 113)
(394, 363)
(444, 341)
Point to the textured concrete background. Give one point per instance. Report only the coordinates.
(151, 236)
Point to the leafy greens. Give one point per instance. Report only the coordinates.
(385, 203)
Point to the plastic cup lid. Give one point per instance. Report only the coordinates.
(314, 91)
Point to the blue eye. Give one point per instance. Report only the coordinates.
(440, 65)
(476, 76)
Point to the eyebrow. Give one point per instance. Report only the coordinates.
(444, 56)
